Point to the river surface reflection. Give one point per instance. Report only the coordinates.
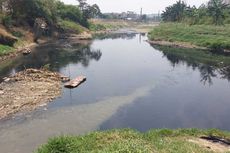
(130, 84)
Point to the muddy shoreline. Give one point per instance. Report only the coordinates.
(19, 51)
(175, 44)
(184, 45)
(28, 90)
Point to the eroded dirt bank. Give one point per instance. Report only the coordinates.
(28, 90)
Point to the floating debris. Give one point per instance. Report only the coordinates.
(26, 51)
(75, 82)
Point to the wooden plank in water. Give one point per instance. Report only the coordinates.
(75, 82)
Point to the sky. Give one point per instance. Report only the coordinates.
(149, 6)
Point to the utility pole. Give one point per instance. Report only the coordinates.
(141, 14)
(159, 18)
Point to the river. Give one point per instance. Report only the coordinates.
(130, 84)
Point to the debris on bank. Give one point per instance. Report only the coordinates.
(28, 90)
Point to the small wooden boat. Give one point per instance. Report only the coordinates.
(75, 82)
(26, 51)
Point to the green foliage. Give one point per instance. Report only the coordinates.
(26, 11)
(7, 21)
(46, 67)
(70, 12)
(5, 49)
(17, 34)
(201, 35)
(215, 12)
(89, 11)
(175, 12)
(97, 27)
(129, 141)
(67, 25)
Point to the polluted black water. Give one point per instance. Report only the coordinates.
(130, 84)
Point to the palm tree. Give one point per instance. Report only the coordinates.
(216, 10)
(175, 12)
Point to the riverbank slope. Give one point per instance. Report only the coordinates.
(15, 40)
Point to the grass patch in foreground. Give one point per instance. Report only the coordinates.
(4, 49)
(201, 35)
(130, 141)
(70, 25)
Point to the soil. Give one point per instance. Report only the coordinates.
(28, 90)
(211, 146)
(175, 44)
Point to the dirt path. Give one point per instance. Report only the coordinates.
(28, 90)
(211, 146)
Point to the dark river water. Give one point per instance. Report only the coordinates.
(130, 84)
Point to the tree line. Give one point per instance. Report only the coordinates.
(21, 12)
(214, 12)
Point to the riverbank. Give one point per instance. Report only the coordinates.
(28, 90)
(156, 140)
(24, 38)
(108, 25)
(191, 36)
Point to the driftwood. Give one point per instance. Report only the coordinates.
(75, 82)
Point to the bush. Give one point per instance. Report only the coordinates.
(70, 26)
(97, 27)
(7, 21)
(4, 49)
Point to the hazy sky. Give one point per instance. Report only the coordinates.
(149, 6)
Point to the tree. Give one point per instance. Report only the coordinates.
(69, 12)
(89, 11)
(29, 10)
(216, 10)
(82, 4)
(175, 12)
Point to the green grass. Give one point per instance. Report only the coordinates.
(4, 49)
(201, 35)
(70, 25)
(97, 27)
(130, 141)
(103, 26)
